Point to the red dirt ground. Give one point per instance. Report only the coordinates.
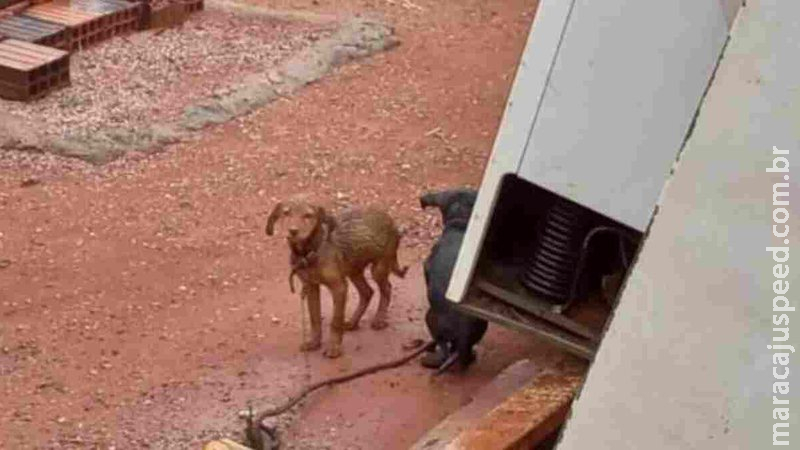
(142, 305)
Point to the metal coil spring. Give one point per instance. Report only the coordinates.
(551, 270)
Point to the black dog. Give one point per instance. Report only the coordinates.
(454, 332)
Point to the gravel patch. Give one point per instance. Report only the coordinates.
(141, 93)
(150, 77)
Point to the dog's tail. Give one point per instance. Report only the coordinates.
(398, 270)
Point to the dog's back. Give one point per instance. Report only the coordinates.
(366, 235)
(439, 267)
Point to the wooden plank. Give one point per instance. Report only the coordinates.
(526, 418)
(513, 378)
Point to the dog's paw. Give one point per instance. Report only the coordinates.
(350, 325)
(433, 359)
(333, 352)
(310, 346)
(379, 323)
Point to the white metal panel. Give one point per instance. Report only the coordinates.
(685, 363)
(521, 108)
(694, 45)
(731, 9)
(624, 89)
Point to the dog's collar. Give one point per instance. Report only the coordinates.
(304, 257)
(303, 261)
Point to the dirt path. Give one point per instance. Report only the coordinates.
(142, 304)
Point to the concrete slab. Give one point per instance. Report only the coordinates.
(685, 362)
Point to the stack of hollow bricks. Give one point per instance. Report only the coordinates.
(37, 36)
(29, 71)
(161, 13)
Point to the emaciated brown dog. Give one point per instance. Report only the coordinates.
(328, 251)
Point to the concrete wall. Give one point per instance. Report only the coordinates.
(685, 363)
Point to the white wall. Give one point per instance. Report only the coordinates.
(685, 363)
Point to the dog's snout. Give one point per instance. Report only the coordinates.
(293, 231)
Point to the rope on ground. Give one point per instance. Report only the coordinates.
(342, 379)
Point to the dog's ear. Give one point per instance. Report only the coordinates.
(273, 217)
(440, 199)
(325, 219)
(429, 199)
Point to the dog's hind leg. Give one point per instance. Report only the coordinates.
(466, 355)
(365, 293)
(380, 273)
(396, 268)
(439, 349)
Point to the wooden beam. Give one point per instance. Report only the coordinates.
(525, 419)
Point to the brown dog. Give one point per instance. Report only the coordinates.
(327, 251)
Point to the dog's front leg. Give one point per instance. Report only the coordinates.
(312, 297)
(339, 293)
